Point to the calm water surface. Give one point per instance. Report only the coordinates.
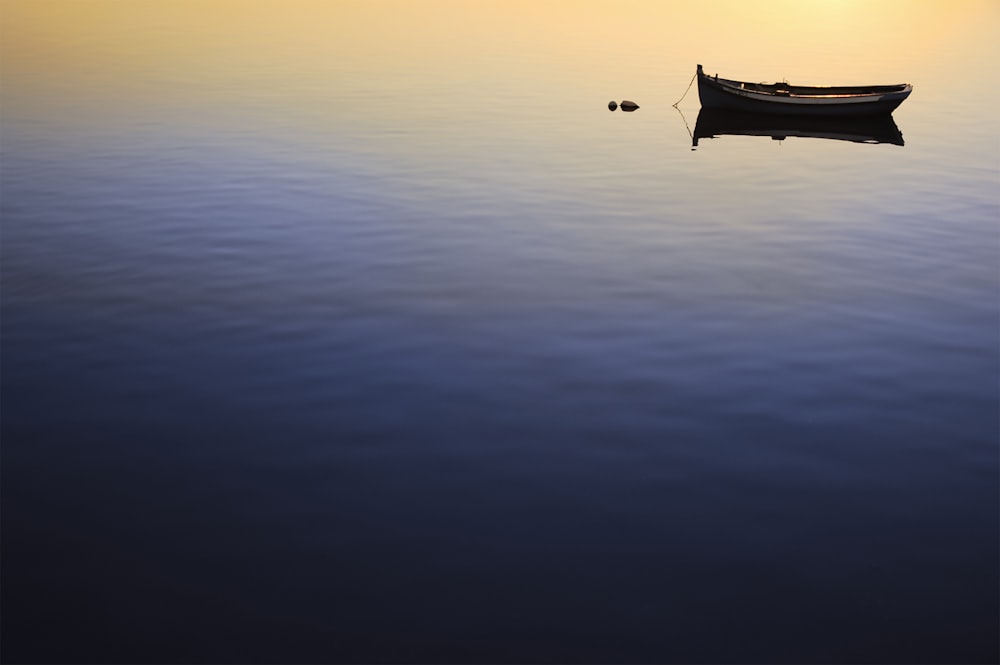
(365, 332)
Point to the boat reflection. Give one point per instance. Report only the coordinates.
(712, 123)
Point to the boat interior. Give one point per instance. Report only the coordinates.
(816, 91)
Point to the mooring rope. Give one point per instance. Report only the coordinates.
(686, 91)
(686, 126)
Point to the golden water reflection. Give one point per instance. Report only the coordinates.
(198, 44)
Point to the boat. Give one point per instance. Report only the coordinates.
(712, 123)
(786, 99)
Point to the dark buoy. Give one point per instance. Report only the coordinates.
(612, 106)
(629, 106)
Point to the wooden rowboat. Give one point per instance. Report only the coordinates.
(787, 99)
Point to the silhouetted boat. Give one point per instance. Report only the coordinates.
(859, 129)
(786, 99)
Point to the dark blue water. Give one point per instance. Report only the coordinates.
(539, 385)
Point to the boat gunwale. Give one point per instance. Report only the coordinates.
(779, 91)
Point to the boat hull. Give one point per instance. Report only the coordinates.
(729, 95)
